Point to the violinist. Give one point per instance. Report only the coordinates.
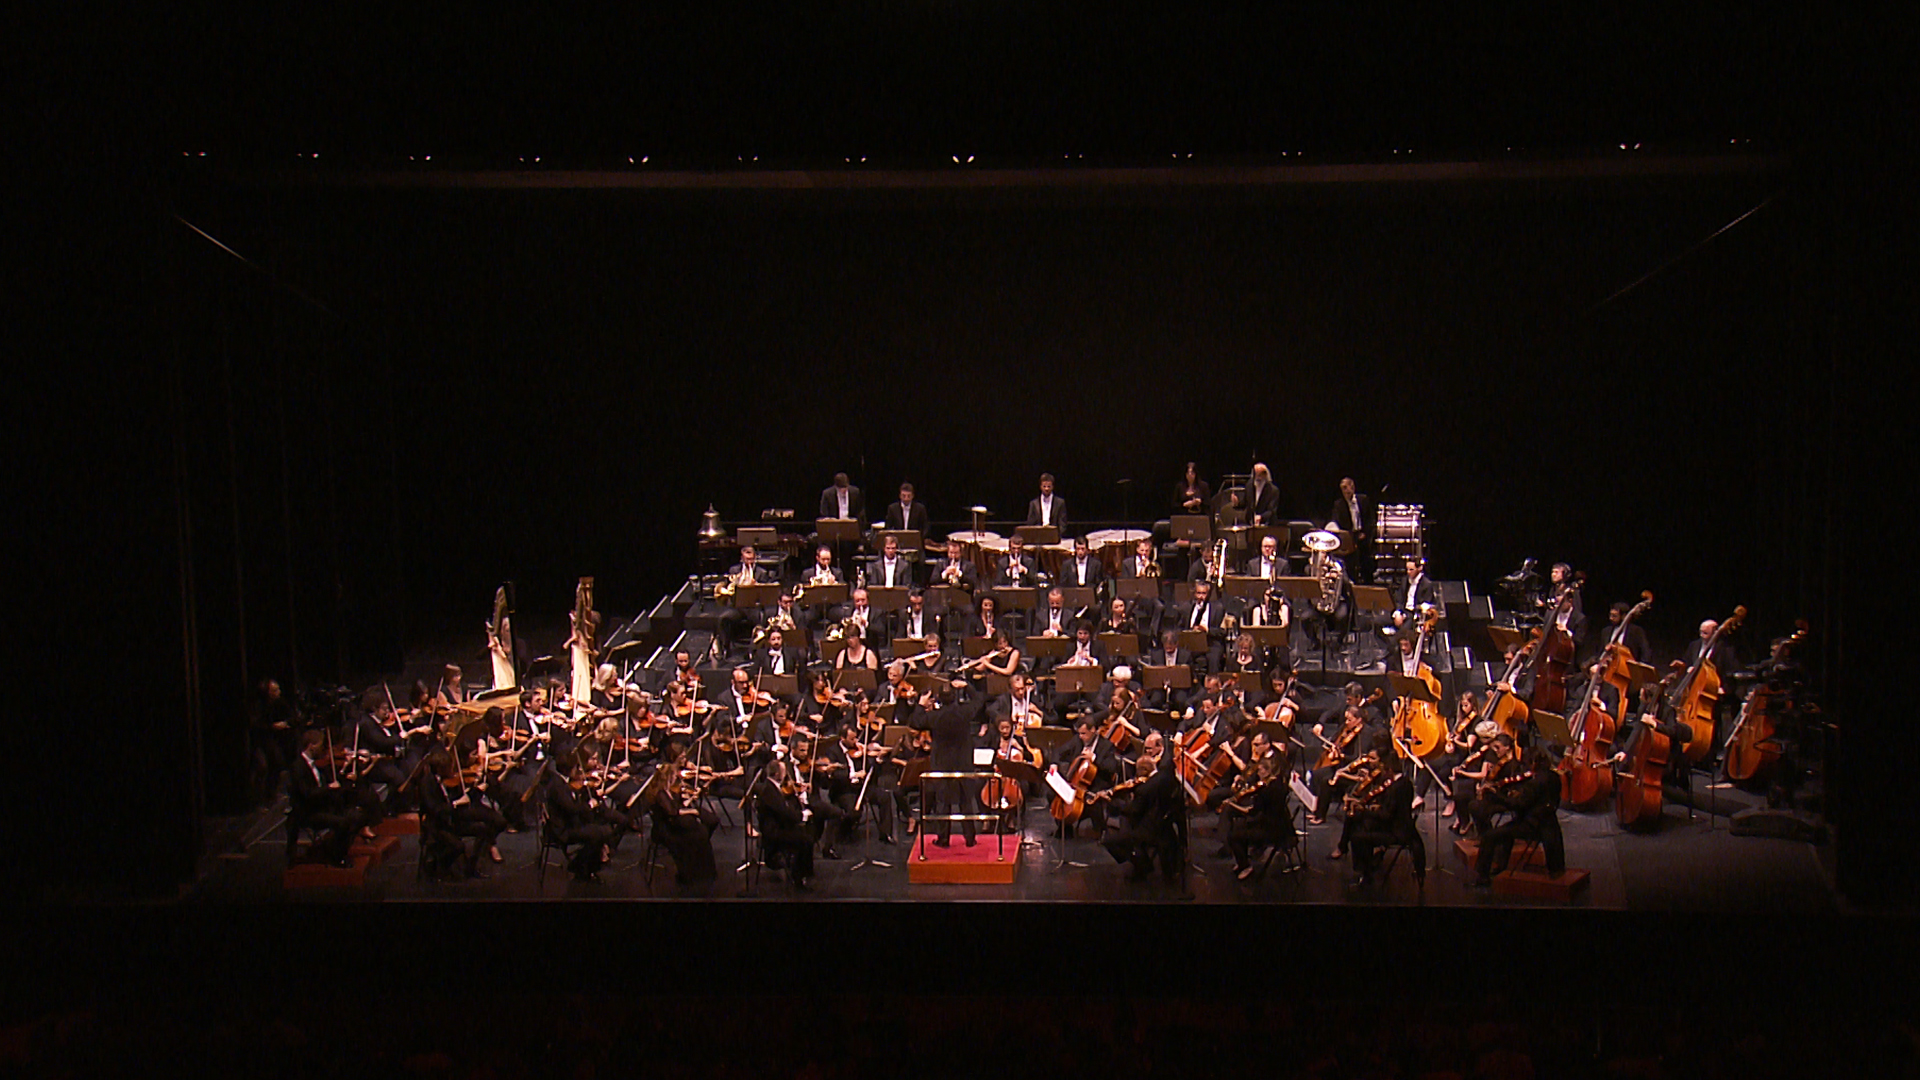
(742, 700)
(1469, 761)
(782, 818)
(318, 801)
(861, 750)
(572, 819)
(1526, 791)
(475, 808)
(1379, 815)
(685, 674)
(1150, 820)
(386, 756)
(449, 838)
(1257, 815)
(721, 757)
(682, 709)
(821, 782)
(1488, 799)
(1362, 730)
(682, 827)
(823, 709)
(453, 687)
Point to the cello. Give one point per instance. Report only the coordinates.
(1751, 747)
(1586, 773)
(1699, 691)
(1417, 726)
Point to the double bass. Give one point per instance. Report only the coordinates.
(1693, 700)
(1586, 772)
(1751, 746)
(1552, 655)
(1417, 726)
(1637, 794)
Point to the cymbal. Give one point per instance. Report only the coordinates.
(1320, 540)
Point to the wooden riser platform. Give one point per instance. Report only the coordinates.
(399, 825)
(1469, 852)
(363, 853)
(1535, 883)
(986, 863)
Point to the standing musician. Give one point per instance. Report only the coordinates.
(783, 817)
(1257, 814)
(1082, 570)
(1016, 568)
(891, 570)
(1263, 498)
(1151, 818)
(1380, 814)
(1350, 515)
(907, 515)
(842, 500)
(1528, 789)
(1192, 495)
(1047, 508)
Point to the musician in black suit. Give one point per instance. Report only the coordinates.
(779, 658)
(1204, 611)
(957, 569)
(1418, 593)
(1047, 508)
(907, 515)
(956, 718)
(1263, 498)
(1081, 569)
(1016, 567)
(320, 803)
(783, 824)
(571, 818)
(890, 569)
(1089, 743)
(733, 621)
(842, 500)
(1634, 638)
(1269, 563)
(1388, 819)
(1531, 794)
(914, 620)
(1151, 818)
(1351, 513)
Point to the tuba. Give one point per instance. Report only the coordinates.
(1329, 570)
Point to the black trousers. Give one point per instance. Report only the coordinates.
(950, 797)
(795, 843)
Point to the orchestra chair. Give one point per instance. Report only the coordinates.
(436, 842)
(1389, 857)
(550, 841)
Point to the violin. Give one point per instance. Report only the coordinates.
(1338, 750)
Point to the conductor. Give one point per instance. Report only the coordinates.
(956, 718)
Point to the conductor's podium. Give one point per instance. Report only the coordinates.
(1526, 874)
(993, 860)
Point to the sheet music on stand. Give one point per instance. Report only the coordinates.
(1051, 648)
(855, 678)
(1013, 598)
(778, 685)
(1270, 637)
(1078, 680)
(1244, 587)
(824, 595)
(1075, 597)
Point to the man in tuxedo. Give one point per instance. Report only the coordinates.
(822, 571)
(955, 718)
(913, 621)
(1016, 567)
(732, 619)
(890, 568)
(1419, 593)
(1263, 498)
(1351, 513)
(1142, 558)
(1150, 819)
(319, 803)
(1204, 612)
(1082, 570)
(907, 514)
(785, 614)
(957, 570)
(1635, 639)
(1053, 620)
(1047, 508)
(783, 824)
(779, 658)
(1267, 564)
(842, 500)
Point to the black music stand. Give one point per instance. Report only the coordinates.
(1052, 648)
(1013, 598)
(1126, 645)
(825, 596)
(1056, 782)
(1078, 680)
(908, 541)
(837, 531)
(1372, 599)
(1077, 598)
(1137, 588)
(1027, 777)
(1192, 528)
(1038, 535)
(855, 678)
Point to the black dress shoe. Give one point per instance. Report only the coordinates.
(943, 842)
(829, 853)
(971, 841)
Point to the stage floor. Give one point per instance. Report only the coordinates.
(1689, 864)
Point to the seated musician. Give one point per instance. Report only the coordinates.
(720, 758)
(1245, 657)
(1420, 594)
(1021, 705)
(1361, 729)
(385, 757)
(1047, 508)
(1203, 568)
(685, 830)
(1647, 718)
(827, 820)
(957, 570)
(1003, 659)
(1258, 815)
(1523, 802)
(1204, 612)
(1149, 819)
(860, 749)
(858, 619)
(986, 620)
(1016, 568)
(742, 701)
(1054, 620)
(907, 515)
(1118, 619)
(573, 819)
(1082, 570)
(1143, 564)
(822, 571)
(913, 621)
(1381, 815)
(319, 802)
(1010, 745)
(1268, 564)
(1089, 745)
(733, 621)
(1119, 720)
(857, 654)
(1274, 609)
(783, 817)
(791, 619)
(1168, 653)
(890, 568)
(777, 658)
(686, 674)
